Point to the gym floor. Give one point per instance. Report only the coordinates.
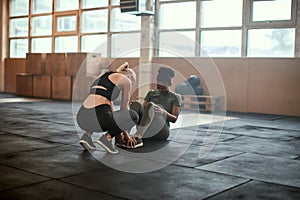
(256, 156)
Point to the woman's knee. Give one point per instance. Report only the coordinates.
(150, 105)
(135, 105)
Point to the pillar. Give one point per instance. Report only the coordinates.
(146, 54)
(3, 41)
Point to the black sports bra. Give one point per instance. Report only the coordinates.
(111, 92)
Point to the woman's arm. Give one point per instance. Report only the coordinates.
(112, 107)
(125, 85)
(172, 117)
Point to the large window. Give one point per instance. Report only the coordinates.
(221, 28)
(177, 23)
(218, 28)
(46, 26)
(231, 28)
(272, 28)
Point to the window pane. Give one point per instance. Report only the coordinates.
(271, 42)
(173, 44)
(62, 5)
(18, 7)
(178, 15)
(41, 25)
(125, 45)
(66, 23)
(123, 21)
(94, 43)
(66, 44)
(272, 10)
(220, 13)
(115, 2)
(18, 27)
(18, 48)
(39, 6)
(222, 43)
(41, 45)
(94, 3)
(94, 21)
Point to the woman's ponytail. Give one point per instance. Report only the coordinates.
(123, 67)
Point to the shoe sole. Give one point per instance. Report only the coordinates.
(139, 145)
(86, 145)
(106, 148)
(128, 147)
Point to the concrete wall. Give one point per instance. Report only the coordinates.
(274, 86)
(260, 85)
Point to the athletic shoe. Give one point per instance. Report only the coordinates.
(139, 142)
(121, 143)
(107, 145)
(87, 142)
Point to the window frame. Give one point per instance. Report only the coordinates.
(30, 22)
(56, 16)
(270, 23)
(55, 33)
(247, 24)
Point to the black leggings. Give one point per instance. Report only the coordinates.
(101, 118)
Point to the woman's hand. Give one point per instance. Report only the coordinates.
(130, 142)
(160, 110)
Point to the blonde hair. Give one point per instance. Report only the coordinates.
(124, 68)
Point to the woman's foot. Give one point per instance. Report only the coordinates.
(106, 143)
(87, 142)
(139, 142)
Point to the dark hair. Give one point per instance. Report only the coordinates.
(165, 75)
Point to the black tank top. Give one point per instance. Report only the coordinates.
(111, 92)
